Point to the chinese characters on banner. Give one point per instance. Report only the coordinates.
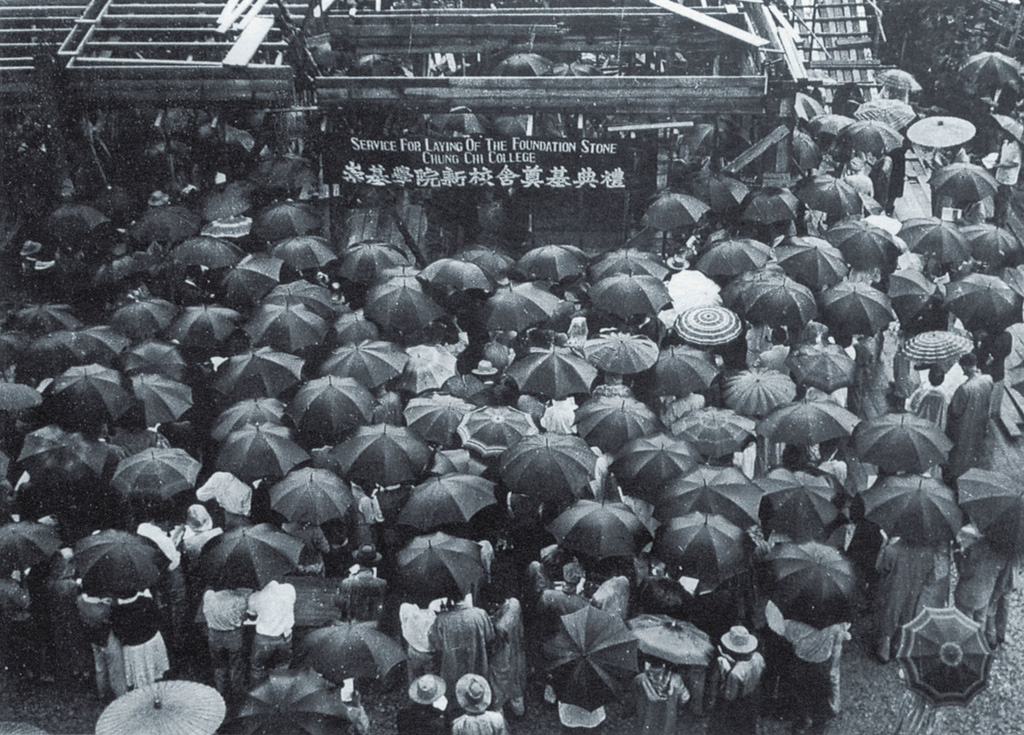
(509, 163)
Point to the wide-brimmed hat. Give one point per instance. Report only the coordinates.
(677, 262)
(231, 227)
(473, 693)
(30, 248)
(427, 689)
(158, 199)
(484, 367)
(367, 555)
(739, 640)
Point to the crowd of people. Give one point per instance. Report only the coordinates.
(253, 452)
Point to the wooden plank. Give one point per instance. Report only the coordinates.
(757, 150)
(713, 23)
(248, 42)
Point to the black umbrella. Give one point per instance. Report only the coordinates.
(117, 563)
(249, 557)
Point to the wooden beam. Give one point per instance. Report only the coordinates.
(713, 23)
(249, 42)
(757, 150)
(650, 126)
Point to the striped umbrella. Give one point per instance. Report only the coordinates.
(708, 326)
(930, 348)
(897, 114)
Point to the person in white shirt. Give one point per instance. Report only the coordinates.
(169, 592)
(272, 611)
(233, 495)
(1007, 173)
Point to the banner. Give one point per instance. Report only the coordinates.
(482, 161)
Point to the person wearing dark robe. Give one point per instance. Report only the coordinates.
(930, 401)
(984, 584)
(361, 594)
(462, 633)
(967, 419)
(659, 694)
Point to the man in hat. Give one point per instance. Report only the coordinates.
(425, 714)
(735, 683)
(474, 697)
(361, 595)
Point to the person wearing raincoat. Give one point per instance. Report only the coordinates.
(658, 695)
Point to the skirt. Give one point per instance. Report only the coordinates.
(145, 664)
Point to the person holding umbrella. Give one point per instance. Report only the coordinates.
(659, 693)
(1007, 168)
(735, 684)
(224, 612)
(272, 611)
(361, 594)
(135, 622)
(967, 420)
(462, 633)
(984, 584)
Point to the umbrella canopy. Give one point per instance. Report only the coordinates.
(490, 430)
(708, 326)
(681, 370)
(854, 307)
(941, 132)
(592, 656)
(249, 557)
(247, 412)
(449, 499)
(627, 261)
(812, 261)
(757, 392)
(1011, 126)
(983, 302)
(825, 367)
(824, 193)
(163, 400)
(117, 563)
(869, 136)
(381, 454)
(706, 546)
(285, 219)
(495, 264)
(555, 374)
(677, 641)
(828, 125)
(519, 306)
(365, 262)
(326, 409)
(990, 71)
(620, 353)
(25, 544)
(610, 422)
(944, 656)
(801, 505)
(599, 530)
(435, 417)
(714, 431)
(707, 489)
(994, 246)
(144, 318)
(911, 292)
(89, 393)
(428, 368)
(260, 373)
(936, 347)
(201, 328)
(627, 295)
(260, 450)
(165, 224)
(919, 509)
(400, 304)
(439, 565)
(370, 362)
(57, 351)
(43, 318)
(963, 182)
(311, 495)
(451, 275)
(778, 301)
(807, 422)
(553, 263)
(734, 256)
(901, 442)
(548, 466)
(897, 114)
(289, 328)
(70, 224)
(864, 246)
(165, 708)
(523, 65)
(995, 504)
(305, 253)
(351, 328)
(804, 151)
(159, 473)
(936, 238)
(806, 107)
(288, 172)
(898, 80)
(770, 205)
(643, 465)
(251, 279)
(53, 453)
(294, 702)
(208, 252)
(351, 650)
(231, 200)
(722, 193)
(812, 582)
(670, 211)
